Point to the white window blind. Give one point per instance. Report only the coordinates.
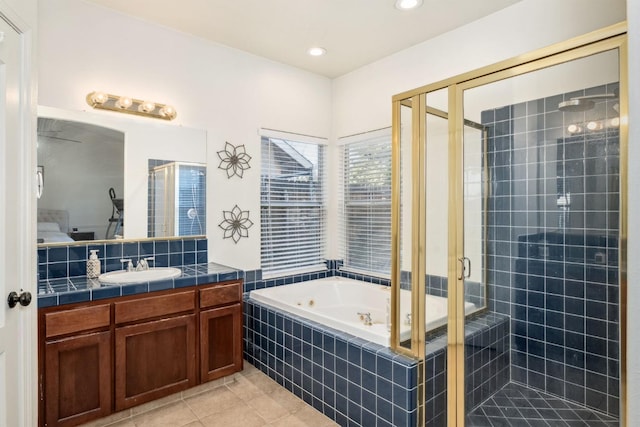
(293, 207)
(365, 205)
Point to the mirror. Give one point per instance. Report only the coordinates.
(92, 166)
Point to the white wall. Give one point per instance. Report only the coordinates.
(362, 98)
(228, 93)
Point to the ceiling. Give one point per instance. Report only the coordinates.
(65, 131)
(354, 32)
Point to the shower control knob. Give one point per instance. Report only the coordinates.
(24, 298)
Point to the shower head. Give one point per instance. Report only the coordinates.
(584, 103)
(576, 104)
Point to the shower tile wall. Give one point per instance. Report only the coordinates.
(553, 245)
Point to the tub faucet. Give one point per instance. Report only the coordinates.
(366, 318)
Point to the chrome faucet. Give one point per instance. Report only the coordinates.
(129, 266)
(143, 264)
(366, 318)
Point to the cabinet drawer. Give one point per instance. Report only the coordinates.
(150, 307)
(77, 320)
(221, 294)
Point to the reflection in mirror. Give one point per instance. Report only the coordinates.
(176, 198)
(78, 192)
(78, 164)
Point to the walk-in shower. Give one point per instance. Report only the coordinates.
(510, 182)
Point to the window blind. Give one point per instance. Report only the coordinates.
(365, 205)
(293, 206)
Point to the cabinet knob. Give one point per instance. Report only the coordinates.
(24, 298)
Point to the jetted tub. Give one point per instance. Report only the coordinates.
(336, 302)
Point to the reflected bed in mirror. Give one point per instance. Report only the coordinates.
(96, 177)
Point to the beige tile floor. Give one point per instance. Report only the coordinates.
(246, 399)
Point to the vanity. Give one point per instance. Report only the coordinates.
(105, 347)
(149, 340)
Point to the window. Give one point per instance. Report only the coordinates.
(293, 208)
(366, 205)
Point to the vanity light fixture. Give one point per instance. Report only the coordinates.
(124, 104)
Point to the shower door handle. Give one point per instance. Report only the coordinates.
(465, 268)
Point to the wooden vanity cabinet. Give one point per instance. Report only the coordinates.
(77, 364)
(155, 347)
(220, 331)
(101, 357)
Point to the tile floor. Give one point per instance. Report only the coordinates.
(247, 399)
(518, 406)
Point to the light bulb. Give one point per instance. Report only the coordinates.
(168, 112)
(99, 97)
(615, 122)
(124, 102)
(594, 126)
(146, 107)
(573, 128)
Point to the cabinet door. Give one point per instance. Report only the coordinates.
(220, 342)
(78, 379)
(154, 359)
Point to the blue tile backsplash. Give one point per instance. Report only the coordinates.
(55, 262)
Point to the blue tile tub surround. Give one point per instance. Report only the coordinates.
(352, 381)
(254, 278)
(358, 383)
(60, 261)
(70, 290)
(555, 271)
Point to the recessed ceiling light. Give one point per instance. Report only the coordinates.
(408, 4)
(316, 51)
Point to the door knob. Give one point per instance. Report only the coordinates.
(24, 299)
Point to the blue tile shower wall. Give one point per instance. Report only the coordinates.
(553, 245)
(71, 260)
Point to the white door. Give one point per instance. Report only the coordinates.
(17, 353)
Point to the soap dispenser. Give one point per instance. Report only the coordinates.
(93, 265)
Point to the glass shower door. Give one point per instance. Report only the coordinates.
(540, 173)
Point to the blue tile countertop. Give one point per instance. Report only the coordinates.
(71, 290)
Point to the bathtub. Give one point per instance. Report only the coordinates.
(336, 302)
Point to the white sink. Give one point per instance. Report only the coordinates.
(153, 273)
